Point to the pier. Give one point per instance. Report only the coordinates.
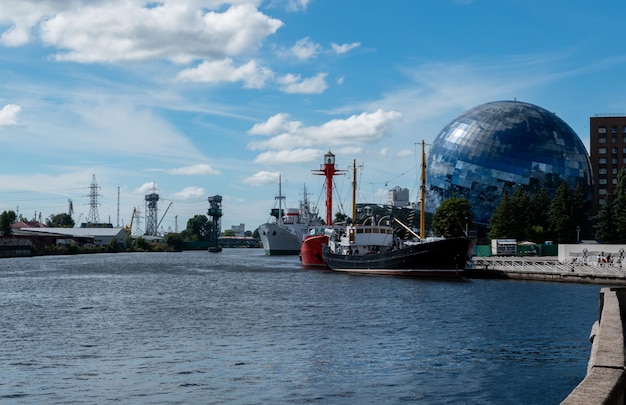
(605, 381)
(547, 268)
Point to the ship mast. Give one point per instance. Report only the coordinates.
(422, 194)
(328, 170)
(354, 191)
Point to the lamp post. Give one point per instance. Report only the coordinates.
(578, 234)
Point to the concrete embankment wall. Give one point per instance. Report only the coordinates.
(605, 382)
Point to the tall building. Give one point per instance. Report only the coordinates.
(607, 140)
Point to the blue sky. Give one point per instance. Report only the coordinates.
(205, 97)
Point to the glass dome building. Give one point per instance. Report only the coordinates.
(500, 146)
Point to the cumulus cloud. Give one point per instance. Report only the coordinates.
(289, 156)
(252, 75)
(188, 193)
(8, 115)
(262, 178)
(292, 83)
(118, 31)
(344, 48)
(146, 188)
(305, 49)
(292, 142)
(275, 124)
(354, 130)
(199, 169)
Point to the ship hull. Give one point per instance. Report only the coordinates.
(278, 241)
(311, 252)
(438, 259)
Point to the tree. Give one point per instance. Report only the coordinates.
(520, 219)
(229, 232)
(175, 241)
(562, 224)
(7, 218)
(581, 214)
(63, 220)
(452, 217)
(619, 208)
(502, 221)
(199, 228)
(605, 231)
(538, 212)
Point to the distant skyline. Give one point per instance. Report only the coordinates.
(206, 97)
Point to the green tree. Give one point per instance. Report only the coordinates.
(199, 228)
(7, 218)
(538, 212)
(619, 208)
(502, 220)
(175, 241)
(340, 217)
(520, 219)
(581, 214)
(562, 223)
(229, 232)
(452, 218)
(63, 220)
(605, 230)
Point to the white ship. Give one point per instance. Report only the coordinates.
(284, 234)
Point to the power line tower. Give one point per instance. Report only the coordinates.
(152, 212)
(93, 216)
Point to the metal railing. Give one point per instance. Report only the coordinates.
(540, 265)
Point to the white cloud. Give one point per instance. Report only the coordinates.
(344, 48)
(146, 188)
(8, 115)
(404, 153)
(276, 124)
(356, 130)
(199, 169)
(223, 70)
(384, 152)
(120, 31)
(262, 178)
(304, 49)
(297, 5)
(289, 156)
(291, 83)
(188, 193)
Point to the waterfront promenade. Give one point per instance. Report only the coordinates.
(547, 268)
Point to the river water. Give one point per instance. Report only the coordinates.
(238, 327)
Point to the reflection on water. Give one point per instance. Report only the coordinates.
(240, 327)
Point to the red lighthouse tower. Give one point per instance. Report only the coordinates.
(311, 249)
(328, 169)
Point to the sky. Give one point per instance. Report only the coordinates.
(195, 98)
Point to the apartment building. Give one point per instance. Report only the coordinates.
(607, 141)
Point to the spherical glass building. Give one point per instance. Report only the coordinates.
(500, 146)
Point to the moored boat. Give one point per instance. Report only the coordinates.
(284, 235)
(442, 258)
(373, 247)
(311, 249)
